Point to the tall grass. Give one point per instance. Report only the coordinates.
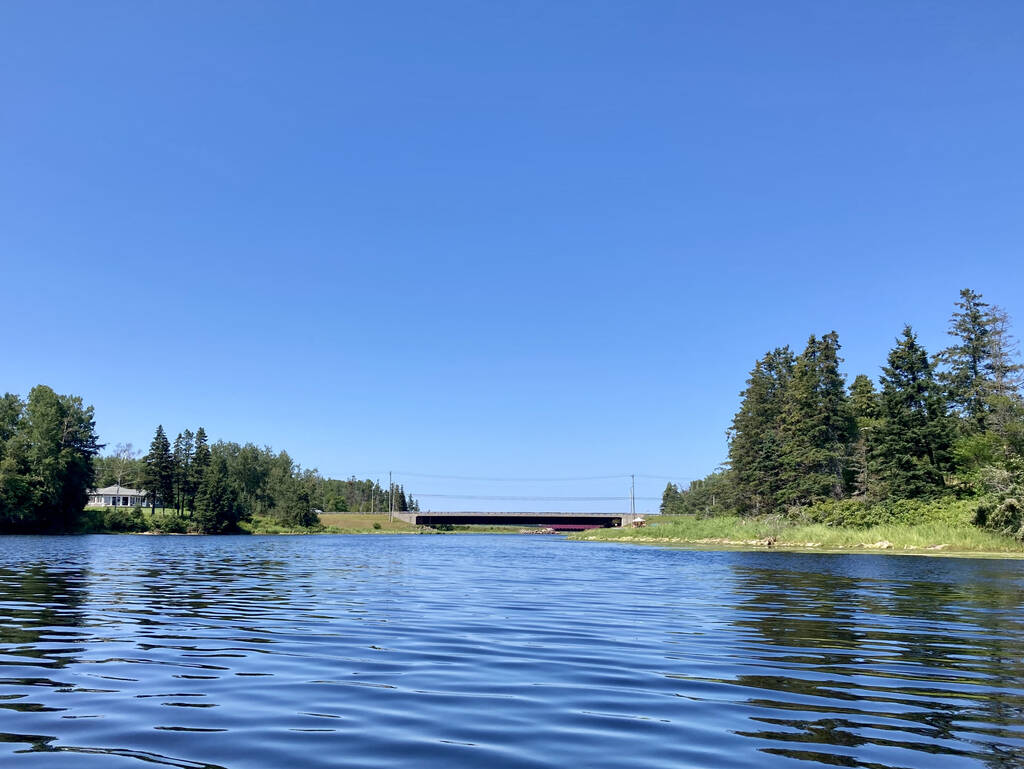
(943, 533)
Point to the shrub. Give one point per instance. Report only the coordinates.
(1006, 517)
(376, 524)
(122, 519)
(169, 523)
(859, 514)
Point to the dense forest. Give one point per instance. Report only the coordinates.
(948, 426)
(50, 458)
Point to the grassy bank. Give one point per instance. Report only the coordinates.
(950, 534)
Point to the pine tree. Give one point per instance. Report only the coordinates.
(158, 470)
(755, 437)
(915, 435)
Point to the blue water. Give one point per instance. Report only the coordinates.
(501, 651)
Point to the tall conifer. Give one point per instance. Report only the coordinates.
(755, 437)
(817, 426)
(914, 436)
(158, 470)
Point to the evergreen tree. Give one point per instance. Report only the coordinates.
(755, 437)
(218, 507)
(670, 499)
(817, 427)
(1006, 373)
(158, 470)
(979, 365)
(914, 435)
(294, 506)
(866, 411)
(200, 461)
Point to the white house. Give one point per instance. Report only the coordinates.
(117, 496)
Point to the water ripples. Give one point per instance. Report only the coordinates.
(469, 651)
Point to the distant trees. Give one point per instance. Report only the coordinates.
(122, 467)
(47, 446)
(949, 424)
(214, 488)
(49, 460)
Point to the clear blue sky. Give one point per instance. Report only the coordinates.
(491, 239)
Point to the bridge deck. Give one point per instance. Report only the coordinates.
(561, 520)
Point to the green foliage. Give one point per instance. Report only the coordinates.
(914, 440)
(817, 426)
(1005, 516)
(47, 446)
(218, 506)
(168, 522)
(376, 525)
(755, 436)
(859, 513)
(713, 495)
(123, 519)
(158, 470)
(927, 443)
(122, 467)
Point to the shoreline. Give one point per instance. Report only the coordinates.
(754, 546)
(942, 536)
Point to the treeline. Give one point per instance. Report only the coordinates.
(50, 459)
(47, 445)
(213, 488)
(951, 424)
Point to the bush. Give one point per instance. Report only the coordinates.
(121, 519)
(859, 514)
(1006, 517)
(169, 523)
(376, 524)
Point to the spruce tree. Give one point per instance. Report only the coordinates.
(200, 461)
(914, 435)
(158, 470)
(755, 437)
(865, 408)
(970, 364)
(1007, 374)
(817, 427)
(669, 499)
(218, 507)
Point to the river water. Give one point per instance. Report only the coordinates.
(501, 651)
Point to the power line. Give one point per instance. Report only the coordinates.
(523, 480)
(524, 498)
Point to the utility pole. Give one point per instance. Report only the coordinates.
(632, 494)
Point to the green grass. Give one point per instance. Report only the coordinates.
(365, 523)
(939, 535)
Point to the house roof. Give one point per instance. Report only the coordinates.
(119, 491)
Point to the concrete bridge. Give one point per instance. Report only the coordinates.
(562, 521)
